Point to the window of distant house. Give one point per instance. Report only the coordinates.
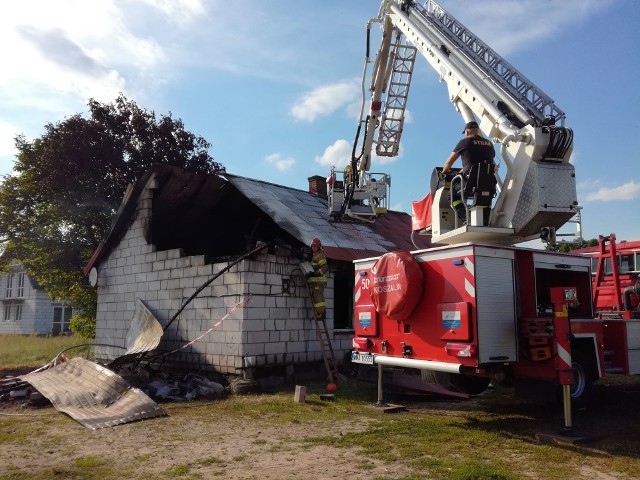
(20, 284)
(15, 285)
(62, 320)
(12, 313)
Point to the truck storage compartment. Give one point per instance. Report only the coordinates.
(495, 305)
(562, 271)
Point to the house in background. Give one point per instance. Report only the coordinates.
(27, 309)
(175, 230)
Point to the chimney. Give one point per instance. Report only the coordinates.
(318, 185)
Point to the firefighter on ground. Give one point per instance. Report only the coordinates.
(318, 279)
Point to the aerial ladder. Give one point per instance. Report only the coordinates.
(536, 190)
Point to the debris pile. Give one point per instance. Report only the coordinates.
(184, 388)
(15, 391)
(100, 396)
(158, 385)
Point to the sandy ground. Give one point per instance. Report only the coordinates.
(212, 445)
(198, 441)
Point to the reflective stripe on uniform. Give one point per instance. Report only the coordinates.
(317, 280)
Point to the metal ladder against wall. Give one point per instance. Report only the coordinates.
(326, 348)
(402, 59)
(322, 334)
(523, 90)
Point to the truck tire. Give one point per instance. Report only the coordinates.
(455, 382)
(469, 384)
(583, 377)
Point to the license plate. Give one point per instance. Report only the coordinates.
(365, 358)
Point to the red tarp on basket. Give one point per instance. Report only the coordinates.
(421, 213)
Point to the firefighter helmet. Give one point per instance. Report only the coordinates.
(316, 242)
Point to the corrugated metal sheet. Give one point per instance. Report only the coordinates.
(145, 331)
(93, 395)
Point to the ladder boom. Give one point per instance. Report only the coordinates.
(514, 83)
(402, 60)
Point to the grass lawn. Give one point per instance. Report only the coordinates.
(17, 351)
(268, 436)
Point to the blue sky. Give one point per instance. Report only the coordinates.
(274, 85)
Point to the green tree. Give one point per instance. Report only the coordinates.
(566, 247)
(66, 187)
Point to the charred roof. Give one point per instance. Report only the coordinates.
(223, 215)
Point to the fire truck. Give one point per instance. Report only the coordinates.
(615, 269)
(475, 307)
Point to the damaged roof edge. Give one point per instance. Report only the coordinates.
(123, 216)
(299, 213)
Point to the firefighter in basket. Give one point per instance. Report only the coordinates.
(318, 279)
(473, 148)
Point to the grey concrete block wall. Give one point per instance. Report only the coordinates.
(269, 327)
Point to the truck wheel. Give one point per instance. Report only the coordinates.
(469, 384)
(582, 379)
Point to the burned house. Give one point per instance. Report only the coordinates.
(176, 230)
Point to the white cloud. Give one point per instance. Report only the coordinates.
(280, 161)
(397, 207)
(490, 20)
(63, 53)
(338, 154)
(408, 118)
(7, 143)
(353, 109)
(376, 160)
(311, 105)
(179, 11)
(324, 100)
(626, 191)
(54, 52)
(387, 160)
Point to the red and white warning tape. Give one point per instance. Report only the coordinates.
(244, 301)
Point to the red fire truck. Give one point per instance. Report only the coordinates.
(616, 270)
(476, 308)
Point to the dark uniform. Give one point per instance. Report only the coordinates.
(473, 150)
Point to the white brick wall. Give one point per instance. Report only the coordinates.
(272, 328)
